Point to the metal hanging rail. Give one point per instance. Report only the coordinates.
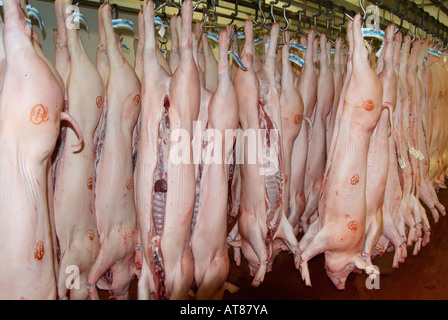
(315, 13)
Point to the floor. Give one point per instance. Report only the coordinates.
(424, 276)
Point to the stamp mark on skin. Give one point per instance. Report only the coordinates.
(90, 183)
(136, 100)
(99, 101)
(353, 225)
(39, 251)
(355, 179)
(90, 234)
(39, 114)
(129, 184)
(368, 105)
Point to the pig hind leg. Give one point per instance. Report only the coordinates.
(180, 281)
(212, 284)
(82, 292)
(123, 272)
(426, 197)
(373, 232)
(315, 247)
(391, 233)
(64, 283)
(437, 203)
(254, 247)
(102, 264)
(285, 232)
(145, 285)
(121, 266)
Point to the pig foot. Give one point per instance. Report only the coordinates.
(289, 241)
(427, 198)
(305, 273)
(297, 259)
(316, 246)
(259, 276)
(435, 214)
(403, 253)
(145, 283)
(366, 257)
(441, 208)
(417, 246)
(397, 258)
(102, 264)
(425, 221)
(380, 247)
(233, 236)
(234, 241)
(366, 262)
(419, 230)
(394, 237)
(426, 236)
(441, 185)
(411, 235)
(234, 211)
(367, 266)
(237, 256)
(399, 255)
(93, 293)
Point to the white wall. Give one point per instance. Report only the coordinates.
(90, 38)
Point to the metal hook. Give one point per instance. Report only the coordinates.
(272, 3)
(364, 13)
(204, 20)
(303, 11)
(319, 12)
(412, 33)
(260, 8)
(197, 5)
(299, 28)
(342, 10)
(215, 18)
(329, 19)
(169, 3)
(401, 24)
(403, 16)
(438, 24)
(392, 12)
(348, 16)
(234, 14)
(115, 13)
(288, 4)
